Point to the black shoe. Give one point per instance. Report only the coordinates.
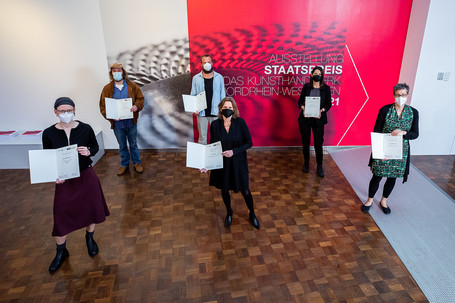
(365, 208)
(305, 167)
(60, 257)
(92, 247)
(385, 210)
(320, 171)
(228, 221)
(254, 221)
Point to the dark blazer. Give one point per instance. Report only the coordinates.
(412, 134)
(326, 103)
(234, 174)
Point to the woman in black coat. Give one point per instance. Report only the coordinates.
(316, 88)
(235, 139)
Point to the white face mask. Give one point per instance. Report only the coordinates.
(207, 67)
(66, 117)
(400, 100)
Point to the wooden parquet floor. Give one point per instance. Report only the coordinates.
(439, 169)
(165, 240)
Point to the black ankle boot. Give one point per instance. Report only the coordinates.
(254, 221)
(305, 167)
(60, 257)
(320, 171)
(92, 247)
(228, 220)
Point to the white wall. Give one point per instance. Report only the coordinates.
(145, 22)
(435, 100)
(50, 48)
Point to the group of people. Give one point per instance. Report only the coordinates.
(80, 202)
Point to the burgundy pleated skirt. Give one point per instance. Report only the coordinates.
(78, 203)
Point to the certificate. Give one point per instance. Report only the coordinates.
(386, 146)
(312, 107)
(195, 103)
(119, 108)
(204, 156)
(48, 165)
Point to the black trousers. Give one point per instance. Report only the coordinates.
(246, 195)
(318, 136)
(374, 185)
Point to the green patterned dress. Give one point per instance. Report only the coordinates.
(394, 168)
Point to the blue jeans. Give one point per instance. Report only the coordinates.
(130, 133)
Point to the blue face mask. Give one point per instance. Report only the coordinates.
(117, 76)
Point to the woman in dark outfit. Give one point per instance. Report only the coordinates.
(78, 202)
(316, 88)
(398, 119)
(235, 139)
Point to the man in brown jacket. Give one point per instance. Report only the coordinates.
(125, 130)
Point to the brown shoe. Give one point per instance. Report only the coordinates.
(138, 168)
(121, 170)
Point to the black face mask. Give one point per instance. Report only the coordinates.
(227, 112)
(317, 78)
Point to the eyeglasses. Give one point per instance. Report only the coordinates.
(69, 111)
(403, 95)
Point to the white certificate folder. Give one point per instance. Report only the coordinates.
(119, 109)
(48, 165)
(196, 103)
(312, 107)
(204, 156)
(386, 146)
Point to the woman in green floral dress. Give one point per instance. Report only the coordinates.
(397, 119)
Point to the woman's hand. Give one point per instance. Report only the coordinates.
(84, 151)
(203, 170)
(133, 109)
(398, 132)
(59, 181)
(228, 153)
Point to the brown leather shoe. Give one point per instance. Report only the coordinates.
(121, 170)
(138, 168)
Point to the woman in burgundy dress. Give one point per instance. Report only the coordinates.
(78, 202)
(235, 139)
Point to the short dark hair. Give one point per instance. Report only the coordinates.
(400, 86)
(206, 55)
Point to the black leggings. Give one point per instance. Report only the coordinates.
(374, 185)
(246, 195)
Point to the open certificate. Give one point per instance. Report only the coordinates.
(194, 103)
(204, 156)
(386, 146)
(312, 107)
(48, 165)
(119, 108)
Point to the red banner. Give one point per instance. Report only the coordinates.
(266, 49)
